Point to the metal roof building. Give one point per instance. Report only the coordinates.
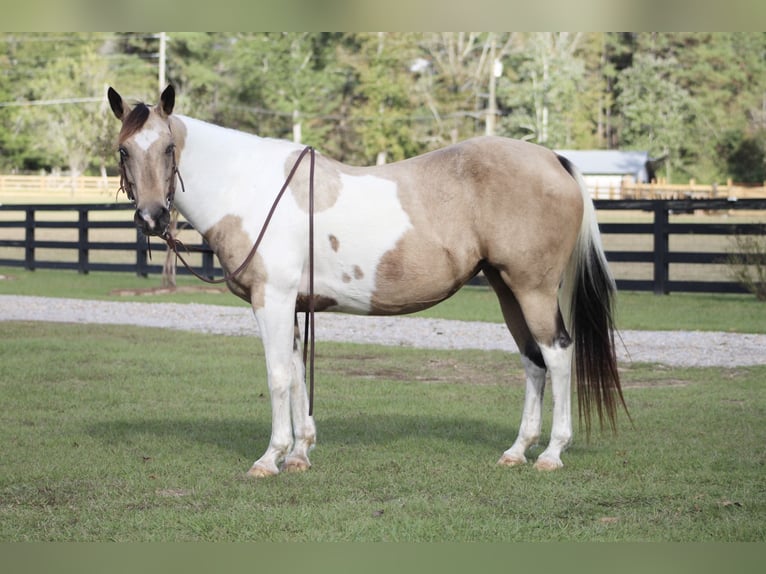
(606, 170)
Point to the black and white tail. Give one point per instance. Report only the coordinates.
(587, 299)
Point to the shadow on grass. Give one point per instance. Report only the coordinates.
(243, 436)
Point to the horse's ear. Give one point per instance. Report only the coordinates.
(168, 99)
(116, 103)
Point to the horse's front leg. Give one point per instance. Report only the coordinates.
(275, 321)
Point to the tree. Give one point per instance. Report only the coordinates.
(22, 56)
(290, 81)
(51, 87)
(723, 78)
(543, 88)
(381, 96)
(366, 97)
(457, 85)
(655, 110)
(72, 133)
(200, 66)
(745, 156)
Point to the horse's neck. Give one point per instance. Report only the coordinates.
(223, 170)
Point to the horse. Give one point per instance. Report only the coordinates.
(389, 240)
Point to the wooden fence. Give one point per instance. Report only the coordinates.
(94, 188)
(691, 190)
(25, 224)
(83, 187)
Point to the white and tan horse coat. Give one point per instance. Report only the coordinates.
(390, 239)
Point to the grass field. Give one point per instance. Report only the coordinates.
(128, 434)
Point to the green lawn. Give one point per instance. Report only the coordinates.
(129, 434)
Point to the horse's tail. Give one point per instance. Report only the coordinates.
(587, 298)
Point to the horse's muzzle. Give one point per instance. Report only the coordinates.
(152, 221)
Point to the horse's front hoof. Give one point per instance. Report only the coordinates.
(511, 460)
(260, 471)
(296, 464)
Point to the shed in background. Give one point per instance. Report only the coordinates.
(605, 171)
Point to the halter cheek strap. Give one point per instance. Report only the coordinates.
(173, 174)
(125, 185)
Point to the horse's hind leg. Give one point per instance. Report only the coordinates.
(534, 368)
(534, 319)
(543, 317)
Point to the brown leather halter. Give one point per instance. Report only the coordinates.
(127, 186)
(175, 244)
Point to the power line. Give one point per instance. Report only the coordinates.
(55, 102)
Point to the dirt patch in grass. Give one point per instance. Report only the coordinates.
(432, 370)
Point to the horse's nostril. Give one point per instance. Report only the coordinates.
(163, 220)
(139, 220)
(152, 222)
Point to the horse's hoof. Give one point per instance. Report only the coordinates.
(511, 460)
(258, 471)
(548, 464)
(296, 464)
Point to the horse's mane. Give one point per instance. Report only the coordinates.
(135, 121)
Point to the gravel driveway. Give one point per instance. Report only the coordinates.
(673, 348)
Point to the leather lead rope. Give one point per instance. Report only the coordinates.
(308, 336)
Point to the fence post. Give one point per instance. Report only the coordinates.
(141, 257)
(661, 248)
(29, 240)
(83, 253)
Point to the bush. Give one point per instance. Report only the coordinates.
(747, 263)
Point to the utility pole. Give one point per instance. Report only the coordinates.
(495, 71)
(163, 50)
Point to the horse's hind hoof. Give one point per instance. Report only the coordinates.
(296, 464)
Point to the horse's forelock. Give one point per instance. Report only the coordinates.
(134, 122)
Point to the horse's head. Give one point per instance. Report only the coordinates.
(147, 159)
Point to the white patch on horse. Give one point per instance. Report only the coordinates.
(368, 206)
(145, 138)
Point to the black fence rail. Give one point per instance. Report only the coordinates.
(145, 258)
(29, 223)
(661, 229)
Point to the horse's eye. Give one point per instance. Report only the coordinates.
(123, 153)
(170, 149)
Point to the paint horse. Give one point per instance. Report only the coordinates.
(390, 240)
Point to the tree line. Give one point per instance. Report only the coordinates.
(697, 100)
